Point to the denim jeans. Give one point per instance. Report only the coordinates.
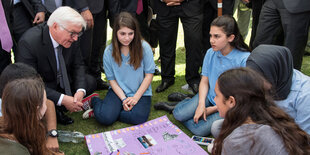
(185, 111)
(110, 109)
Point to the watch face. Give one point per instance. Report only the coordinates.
(54, 133)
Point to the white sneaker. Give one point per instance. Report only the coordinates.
(210, 147)
(88, 114)
(187, 88)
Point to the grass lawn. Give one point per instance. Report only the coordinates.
(90, 126)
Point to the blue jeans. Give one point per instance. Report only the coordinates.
(185, 111)
(110, 109)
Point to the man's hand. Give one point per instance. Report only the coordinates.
(246, 1)
(52, 144)
(88, 17)
(173, 2)
(39, 18)
(68, 102)
(78, 96)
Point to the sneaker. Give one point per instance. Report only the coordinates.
(187, 88)
(88, 114)
(210, 147)
(87, 101)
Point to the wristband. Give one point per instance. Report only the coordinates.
(124, 99)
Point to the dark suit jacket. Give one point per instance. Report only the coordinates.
(36, 49)
(33, 6)
(190, 7)
(95, 6)
(7, 6)
(296, 6)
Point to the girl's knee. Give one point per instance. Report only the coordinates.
(137, 117)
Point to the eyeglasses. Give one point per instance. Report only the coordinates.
(72, 34)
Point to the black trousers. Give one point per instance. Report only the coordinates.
(21, 21)
(93, 43)
(295, 27)
(209, 14)
(167, 33)
(5, 59)
(256, 9)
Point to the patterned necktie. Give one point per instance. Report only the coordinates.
(5, 35)
(139, 7)
(64, 81)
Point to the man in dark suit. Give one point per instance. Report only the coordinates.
(168, 14)
(42, 47)
(5, 54)
(294, 17)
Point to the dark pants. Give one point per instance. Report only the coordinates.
(110, 109)
(21, 21)
(93, 43)
(5, 59)
(168, 30)
(295, 27)
(209, 14)
(256, 9)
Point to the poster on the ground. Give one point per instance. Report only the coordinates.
(155, 137)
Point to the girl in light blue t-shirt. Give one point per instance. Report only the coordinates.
(129, 67)
(228, 51)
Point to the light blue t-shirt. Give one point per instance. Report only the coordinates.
(297, 103)
(214, 64)
(125, 75)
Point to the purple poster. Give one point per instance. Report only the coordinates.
(155, 137)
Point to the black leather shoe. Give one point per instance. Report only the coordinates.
(177, 96)
(195, 87)
(62, 118)
(165, 106)
(164, 85)
(101, 85)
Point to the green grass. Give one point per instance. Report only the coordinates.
(90, 126)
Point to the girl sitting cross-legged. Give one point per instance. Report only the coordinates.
(129, 67)
(228, 51)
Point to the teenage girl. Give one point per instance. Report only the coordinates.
(129, 67)
(21, 128)
(253, 123)
(228, 51)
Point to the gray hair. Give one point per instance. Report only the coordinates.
(64, 15)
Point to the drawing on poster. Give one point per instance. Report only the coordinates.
(168, 136)
(155, 137)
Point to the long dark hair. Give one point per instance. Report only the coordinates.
(125, 19)
(21, 101)
(230, 26)
(250, 91)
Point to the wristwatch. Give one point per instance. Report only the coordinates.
(52, 133)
